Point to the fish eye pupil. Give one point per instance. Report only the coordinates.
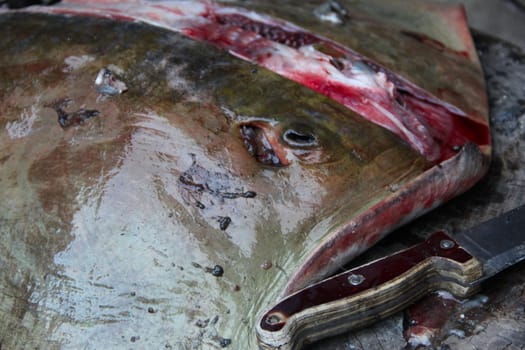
(299, 138)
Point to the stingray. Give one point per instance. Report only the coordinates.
(171, 170)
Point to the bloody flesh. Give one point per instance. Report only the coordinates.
(431, 126)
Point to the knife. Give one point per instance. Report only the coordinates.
(370, 292)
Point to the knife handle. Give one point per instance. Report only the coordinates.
(368, 293)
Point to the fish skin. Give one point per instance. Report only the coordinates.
(124, 201)
(415, 198)
(432, 185)
(462, 125)
(432, 126)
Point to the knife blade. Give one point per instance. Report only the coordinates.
(370, 292)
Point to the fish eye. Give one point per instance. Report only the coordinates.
(299, 138)
(277, 145)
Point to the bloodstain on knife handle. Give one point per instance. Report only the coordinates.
(368, 293)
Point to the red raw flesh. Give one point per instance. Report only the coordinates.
(270, 32)
(443, 127)
(426, 318)
(431, 126)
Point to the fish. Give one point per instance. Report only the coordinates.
(236, 152)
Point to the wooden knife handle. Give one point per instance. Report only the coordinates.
(368, 293)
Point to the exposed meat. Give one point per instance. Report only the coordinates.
(268, 31)
(128, 186)
(433, 127)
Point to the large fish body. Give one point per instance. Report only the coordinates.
(174, 214)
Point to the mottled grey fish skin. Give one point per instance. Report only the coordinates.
(109, 229)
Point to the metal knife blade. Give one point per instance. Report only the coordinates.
(373, 291)
(497, 243)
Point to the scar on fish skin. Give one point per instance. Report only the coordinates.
(67, 119)
(197, 180)
(187, 179)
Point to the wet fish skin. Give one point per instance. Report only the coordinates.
(104, 200)
(348, 153)
(426, 121)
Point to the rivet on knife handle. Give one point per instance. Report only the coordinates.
(368, 293)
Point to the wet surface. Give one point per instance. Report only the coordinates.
(196, 185)
(67, 119)
(494, 319)
(108, 84)
(370, 75)
(115, 217)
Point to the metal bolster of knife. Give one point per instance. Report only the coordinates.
(370, 292)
